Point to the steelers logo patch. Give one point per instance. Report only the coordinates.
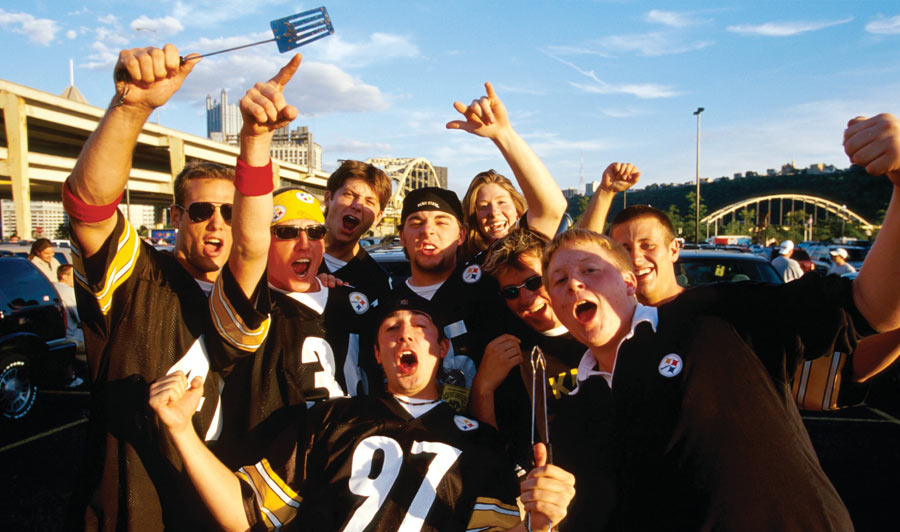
(670, 365)
(305, 198)
(465, 424)
(359, 302)
(278, 212)
(472, 274)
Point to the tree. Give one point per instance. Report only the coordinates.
(63, 232)
(691, 218)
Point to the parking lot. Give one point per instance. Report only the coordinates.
(859, 449)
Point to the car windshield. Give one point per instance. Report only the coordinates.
(23, 285)
(693, 271)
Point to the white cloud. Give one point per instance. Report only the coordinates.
(785, 29)
(669, 18)
(109, 20)
(598, 86)
(884, 26)
(205, 45)
(38, 30)
(358, 147)
(575, 50)
(378, 48)
(627, 112)
(316, 89)
(162, 27)
(71, 34)
(651, 44)
(212, 12)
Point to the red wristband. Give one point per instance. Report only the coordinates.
(253, 180)
(81, 211)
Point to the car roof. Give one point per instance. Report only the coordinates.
(720, 254)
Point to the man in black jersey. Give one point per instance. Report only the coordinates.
(355, 197)
(406, 461)
(465, 301)
(289, 338)
(697, 390)
(144, 312)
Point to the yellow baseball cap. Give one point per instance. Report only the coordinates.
(296, 204)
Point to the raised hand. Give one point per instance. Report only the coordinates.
(546, 491)
(619, 177)
(174, 401)
(264, 108)
(501, 354)
(875, 144)
(155, 75)
(485, 117)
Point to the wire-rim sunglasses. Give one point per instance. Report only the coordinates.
(200, 211)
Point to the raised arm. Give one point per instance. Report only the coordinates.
(264, 110)
(175, 403)
(101, 173)
(875, 144)
(487, 117)
(618, 177)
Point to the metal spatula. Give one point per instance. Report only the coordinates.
(289, 33)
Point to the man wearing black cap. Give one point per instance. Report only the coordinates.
(402, 462)
(432, 232)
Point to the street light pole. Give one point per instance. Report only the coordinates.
(843, 219)
(697, 206)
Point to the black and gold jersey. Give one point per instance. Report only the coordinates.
(365, 463)
(143, 317)
(363, 273)
(470, 311)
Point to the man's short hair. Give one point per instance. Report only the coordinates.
(645, 211)
(198, 170)
(615, 253)
(63, 270)
(508, 251)
(371, 174)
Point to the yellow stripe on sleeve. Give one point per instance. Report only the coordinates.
(493, 515)
(229, 324)
(277, 502)
(817, 382)
(119, 269)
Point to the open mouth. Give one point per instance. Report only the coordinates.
(300, 267)
(212, 246)
(350, 223)
(428, 249)
(537, 309)
(585, 311)
(642, 272)
(407, 363)
(499, 226)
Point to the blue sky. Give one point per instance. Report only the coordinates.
(584, 81)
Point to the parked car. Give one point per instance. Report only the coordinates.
(821, 256)
(696, 267)
(34, 351)
(394, 262)
(61, 250)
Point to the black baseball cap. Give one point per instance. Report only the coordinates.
(431, 199)
(410, 303)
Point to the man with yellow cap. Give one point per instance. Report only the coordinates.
(276, 334)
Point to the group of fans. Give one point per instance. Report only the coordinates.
(266, 374)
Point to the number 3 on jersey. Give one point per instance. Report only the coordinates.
(376, 489)
(317, 349)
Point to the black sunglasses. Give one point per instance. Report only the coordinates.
(512, 292)
(200, 211)
(292, 232)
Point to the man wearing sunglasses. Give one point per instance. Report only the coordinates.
(144, 312)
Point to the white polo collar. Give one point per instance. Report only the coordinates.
(587, 368)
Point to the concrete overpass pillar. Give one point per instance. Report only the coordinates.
(176, 156)
(17, 144)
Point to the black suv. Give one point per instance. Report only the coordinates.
(33, 347)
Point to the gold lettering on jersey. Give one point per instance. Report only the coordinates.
(563, 383)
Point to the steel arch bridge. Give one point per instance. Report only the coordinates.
(406, 174)
(806, 201)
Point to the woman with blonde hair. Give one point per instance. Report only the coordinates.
(492, 206)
